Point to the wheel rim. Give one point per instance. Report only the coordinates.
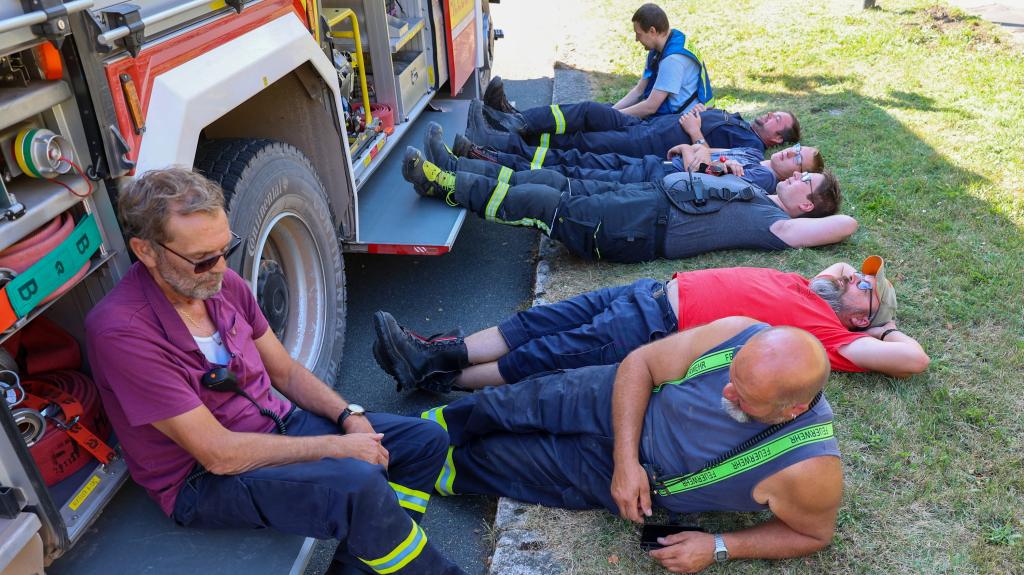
(289, 282)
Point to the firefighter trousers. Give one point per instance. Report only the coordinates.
(625, 226)
(600, 167)
(372, 512)
(653, 137)
(546, 440)
(559, 119)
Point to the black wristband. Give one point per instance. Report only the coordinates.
(887, 332)
(341, 418)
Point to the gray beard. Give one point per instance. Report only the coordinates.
(193, 286)
(734, 411)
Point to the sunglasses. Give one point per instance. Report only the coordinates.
(207, 264)
(865, 285)
(799, 156)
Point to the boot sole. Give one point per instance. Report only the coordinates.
(400, 370)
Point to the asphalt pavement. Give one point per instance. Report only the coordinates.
(487, 276)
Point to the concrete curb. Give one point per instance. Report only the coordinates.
(517, 549)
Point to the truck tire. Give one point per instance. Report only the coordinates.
(291, 256)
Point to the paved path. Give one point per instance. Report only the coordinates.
(1009, 14)
(487, 276)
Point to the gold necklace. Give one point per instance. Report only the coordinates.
(189, 317)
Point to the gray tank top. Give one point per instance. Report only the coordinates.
(686, 426)
(738, 225)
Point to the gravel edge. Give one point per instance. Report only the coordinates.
(518, 550)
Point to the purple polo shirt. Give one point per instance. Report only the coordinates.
(147, 367)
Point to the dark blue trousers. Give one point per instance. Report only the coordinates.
(371, 511)
(652, 138)
(600, 167)
(620, 227)
(595, 328)
(545, 440)
(580, 117)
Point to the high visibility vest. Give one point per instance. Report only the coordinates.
(677, 44)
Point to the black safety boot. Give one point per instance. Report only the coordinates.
(431, 363)
(512, 122)
(465, 148)
(494, 96)
(427, 179)
(437, 152)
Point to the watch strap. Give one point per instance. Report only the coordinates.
(721, 552)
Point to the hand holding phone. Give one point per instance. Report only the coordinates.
(652, 531)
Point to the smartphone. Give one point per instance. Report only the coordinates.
(652, 531)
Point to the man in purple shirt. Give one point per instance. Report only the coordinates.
(168, 344)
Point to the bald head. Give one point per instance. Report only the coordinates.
(781, 368)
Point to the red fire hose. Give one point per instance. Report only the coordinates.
(68, 444)
(20, 256)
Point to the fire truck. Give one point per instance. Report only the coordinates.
(296, 108)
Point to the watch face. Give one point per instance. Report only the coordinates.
(355, 409)
(721, 556)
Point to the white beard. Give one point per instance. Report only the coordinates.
(734, 411)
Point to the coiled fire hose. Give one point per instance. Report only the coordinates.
(73, 423)
(20, 256)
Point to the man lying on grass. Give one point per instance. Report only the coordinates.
(679, 216)
(747, 163)
(652, 431)
(550, 134)
(851, 312)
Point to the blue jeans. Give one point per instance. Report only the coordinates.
(371, 511)
(596, 328)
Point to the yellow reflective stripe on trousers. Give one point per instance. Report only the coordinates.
(498, 195)
(556, 111)
(436, 415)
(445, 484)
(542, 150)
(401, 555)
(411, 498)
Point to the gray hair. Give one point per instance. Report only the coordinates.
(829, 290)
(145, 204)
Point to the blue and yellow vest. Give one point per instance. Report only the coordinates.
(677, 45)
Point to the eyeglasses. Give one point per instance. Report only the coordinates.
(799, 156)
(865, 285)
(208, 263)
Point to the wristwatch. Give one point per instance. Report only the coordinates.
(721, 553)
(352, 409)
(700, 142)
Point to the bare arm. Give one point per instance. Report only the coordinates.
(648, 106)
(810, 232)
(644, 368)
(633, 96)
(225, 452)
(805, 499)
(838, 270)
(899, 355)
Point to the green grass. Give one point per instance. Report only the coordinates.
(919, 109)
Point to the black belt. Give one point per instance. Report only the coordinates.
(660, 296)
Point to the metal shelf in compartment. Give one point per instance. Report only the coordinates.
(43, 201)
(21, 103)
